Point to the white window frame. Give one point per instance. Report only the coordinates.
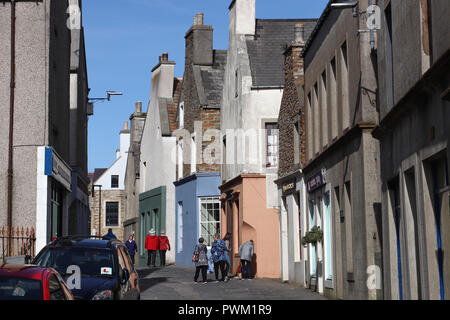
(213, 199)
(180, 159)
(180, 226)
(181, 118)
(193, 154)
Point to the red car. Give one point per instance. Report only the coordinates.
(28, 282)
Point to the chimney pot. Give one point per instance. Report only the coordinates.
(165, 57)
(138, 107)
(300, 33)
(198, 19)
(125, 125)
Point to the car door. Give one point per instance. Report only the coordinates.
(55, 289)
(134, 278)
(125, 288)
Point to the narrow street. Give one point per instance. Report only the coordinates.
(176, 283)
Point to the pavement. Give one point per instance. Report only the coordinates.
(177, 283)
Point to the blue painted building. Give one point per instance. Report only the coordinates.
(198, 213)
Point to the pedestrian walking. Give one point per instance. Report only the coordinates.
(246, 252)
(201, 263)
(227, 240)
(164, 245)
(131, 246)
(218, 256)
(152, 245)
(110, 235)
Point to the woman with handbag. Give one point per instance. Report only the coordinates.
(200, 259)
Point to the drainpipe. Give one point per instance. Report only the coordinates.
(11, 118)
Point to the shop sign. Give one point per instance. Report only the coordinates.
(57, 168)
(317, 181)
(288, 187)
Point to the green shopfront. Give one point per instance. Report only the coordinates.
(152, 214)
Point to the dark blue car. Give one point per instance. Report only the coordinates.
(93, 269)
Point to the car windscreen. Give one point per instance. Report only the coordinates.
(92, 262)
(12, 288)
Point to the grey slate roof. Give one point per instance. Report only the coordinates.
(209, 80)
(266, 50)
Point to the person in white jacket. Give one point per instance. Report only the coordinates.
(246, 251)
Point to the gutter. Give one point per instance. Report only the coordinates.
(11, 119)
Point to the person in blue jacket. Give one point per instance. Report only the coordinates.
(131, 246)
(218, 256)
(110, 235)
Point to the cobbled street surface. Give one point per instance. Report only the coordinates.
(177, 283)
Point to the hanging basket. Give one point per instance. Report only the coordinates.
(313, 237)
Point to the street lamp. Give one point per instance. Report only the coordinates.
(99, 206)
(109, 94)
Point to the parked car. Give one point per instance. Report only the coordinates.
(27, 282)
(105, 269)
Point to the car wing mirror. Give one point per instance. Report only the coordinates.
(125, 275)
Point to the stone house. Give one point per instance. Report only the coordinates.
(414, 135)
(291, 186)
(132, 174)
(342, 158)
(109, 198)
(198, 142)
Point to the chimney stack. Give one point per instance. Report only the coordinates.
(300, 33)
(201, 38)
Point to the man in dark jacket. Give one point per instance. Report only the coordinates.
(132, 247)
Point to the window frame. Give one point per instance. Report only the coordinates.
(106, 214)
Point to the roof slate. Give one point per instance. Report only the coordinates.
(266, 50)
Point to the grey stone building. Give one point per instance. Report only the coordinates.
(342, 158)
(43, 94)
(132, 174)
(414, 133)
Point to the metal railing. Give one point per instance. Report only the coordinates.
(18, 242)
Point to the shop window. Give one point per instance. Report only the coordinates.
(394, 197)
(210, 223)
(328, 239)
(312, 247)
(112, 214)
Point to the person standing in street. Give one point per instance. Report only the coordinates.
(152, 245)
(218, 256)
(246, 252)
(110, 235)
(131, 246)
(201, 265)
(227, 239)
(164, 245)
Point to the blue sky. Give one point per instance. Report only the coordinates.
(124, 39)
